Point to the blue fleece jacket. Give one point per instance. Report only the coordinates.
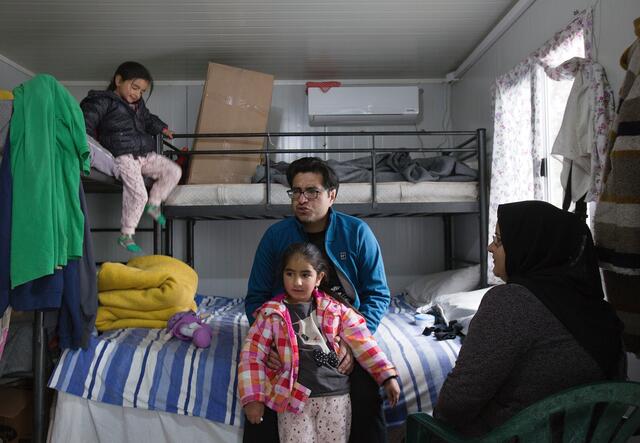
(353, 251)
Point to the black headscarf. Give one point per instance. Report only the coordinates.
(550, 252)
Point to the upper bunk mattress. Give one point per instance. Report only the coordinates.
(349, 193)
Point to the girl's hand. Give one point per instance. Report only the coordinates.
(167, 133)
(254, 411)
(273, 359)
(392, 389)
(345, 356)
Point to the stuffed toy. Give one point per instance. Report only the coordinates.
(188, 326)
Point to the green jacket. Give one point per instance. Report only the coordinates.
(48, 151)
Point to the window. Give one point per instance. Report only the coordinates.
(529, 105)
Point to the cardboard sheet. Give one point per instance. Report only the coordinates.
(234, 100)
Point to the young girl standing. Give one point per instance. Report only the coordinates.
(120, 121)
(304, 324)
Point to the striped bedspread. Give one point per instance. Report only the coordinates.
(147, 368)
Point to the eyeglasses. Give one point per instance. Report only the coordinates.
(497, 240)
(309, 194)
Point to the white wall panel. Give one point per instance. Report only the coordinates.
(10, 77)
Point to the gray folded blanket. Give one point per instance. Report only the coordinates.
(390, 167)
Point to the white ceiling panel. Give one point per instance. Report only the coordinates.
(291, 39)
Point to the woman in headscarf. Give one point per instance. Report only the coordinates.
(548, 329)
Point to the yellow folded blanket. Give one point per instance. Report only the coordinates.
(144, 293)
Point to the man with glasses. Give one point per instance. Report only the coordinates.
(356, 276)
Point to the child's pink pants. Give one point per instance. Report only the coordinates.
(323, 419)
(166, 174)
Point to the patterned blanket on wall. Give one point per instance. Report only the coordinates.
(617, 217)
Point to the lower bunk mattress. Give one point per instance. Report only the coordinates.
(349, 193)
(78, 420)
(147, 369)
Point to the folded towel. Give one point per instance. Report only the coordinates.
(144, 293)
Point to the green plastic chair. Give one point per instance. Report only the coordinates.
(616, 418)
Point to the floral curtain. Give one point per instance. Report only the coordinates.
(518, 147)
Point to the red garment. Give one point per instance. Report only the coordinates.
(324, 86)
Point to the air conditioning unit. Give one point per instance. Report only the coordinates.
(364, 105)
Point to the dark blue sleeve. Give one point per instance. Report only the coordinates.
(6, 199)
(262, 279)
(70, 327)
(373, 290)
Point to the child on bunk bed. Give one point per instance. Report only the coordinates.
(304, 324)
(120, 121)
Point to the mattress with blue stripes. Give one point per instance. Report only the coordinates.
(150, 369)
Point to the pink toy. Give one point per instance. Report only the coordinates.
(188, 326)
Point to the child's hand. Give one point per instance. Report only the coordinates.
(254, 411)
(167, 133)
(273, 359)
(345, 356)
(392, 389)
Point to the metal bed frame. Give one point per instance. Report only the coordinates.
(474, 145)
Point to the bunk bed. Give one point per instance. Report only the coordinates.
(147, 384)
(373, 199)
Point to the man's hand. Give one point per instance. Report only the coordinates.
(254, 411)
(392, 389)
(167, 133)
(345, 356)
(273, 359)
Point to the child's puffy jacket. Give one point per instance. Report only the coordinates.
(279, 390)
(117, 126)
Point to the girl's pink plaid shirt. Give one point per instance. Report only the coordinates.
(279, 389)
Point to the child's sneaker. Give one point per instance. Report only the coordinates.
(154, 212)
(127, 242)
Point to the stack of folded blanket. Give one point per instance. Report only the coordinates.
(144, 293)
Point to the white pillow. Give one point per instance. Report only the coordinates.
(423, 290)
(102, 159)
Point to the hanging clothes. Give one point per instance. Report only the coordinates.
(582, 138)
(617, 217)
(49, 149)
(6, 108)
(88, 284)
(72, 289)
